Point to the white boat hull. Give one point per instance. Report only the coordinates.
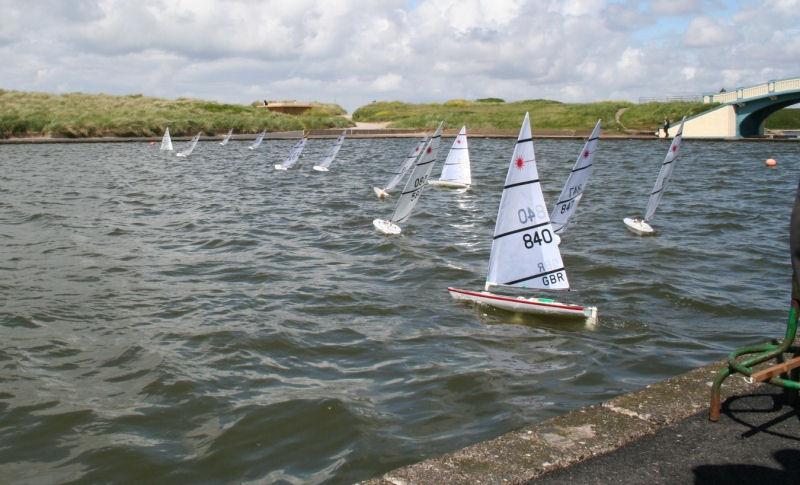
(382, 194)
(320, 168)
(446, 184)
(540, 306)
(386, 227)
(638, 226)
(280, 167)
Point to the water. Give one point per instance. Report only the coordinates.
(209, 319)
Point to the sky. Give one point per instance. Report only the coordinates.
(353, 52)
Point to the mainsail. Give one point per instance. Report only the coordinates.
(166, 141)
(259, 138)
(408, 162)
(576, 183)
(418, 178)
(524, 249)
(188, 151)
(664, 175)
(227, 138)
(333, 151)
(293, 156)
(456, 167)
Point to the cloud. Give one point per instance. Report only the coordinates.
(356, 51)
(705, 32)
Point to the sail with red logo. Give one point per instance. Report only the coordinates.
(524, 251)
(572, 193)
(642, 226)
(456, 173)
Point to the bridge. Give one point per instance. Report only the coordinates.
(742, 112)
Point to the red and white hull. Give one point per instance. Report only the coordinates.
(541, 306)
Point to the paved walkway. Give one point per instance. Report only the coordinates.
(757, 440)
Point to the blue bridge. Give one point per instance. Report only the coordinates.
(743, 111)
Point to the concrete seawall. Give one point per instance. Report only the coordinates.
(524, 455)
(365, 133)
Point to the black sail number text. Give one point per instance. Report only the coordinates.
(531, 240)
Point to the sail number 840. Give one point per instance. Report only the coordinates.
(537, 238)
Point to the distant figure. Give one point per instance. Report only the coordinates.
(666, 127)
(265, 102)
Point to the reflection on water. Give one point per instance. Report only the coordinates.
(210, 319)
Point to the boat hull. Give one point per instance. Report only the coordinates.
(320, 168)
(446, 184)
(280, 167)
(638, 226)
(386, 227)
(382, 194)
(525, 305)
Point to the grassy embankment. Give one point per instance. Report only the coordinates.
(545, 114)
(75, 115)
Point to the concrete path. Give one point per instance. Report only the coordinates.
(757, 440)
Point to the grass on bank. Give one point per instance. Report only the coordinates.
(74, 115)
(545, 114)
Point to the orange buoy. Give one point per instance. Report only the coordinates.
(770, 162)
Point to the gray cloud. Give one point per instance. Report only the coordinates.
(353, 52)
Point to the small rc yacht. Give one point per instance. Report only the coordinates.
(332, 152)
(412, 191)
(166, 141)
(293, 156)
(575, 184)
(188, 150)
(524, 252)
(227, 138)
(641, 226)
(407, 163)
(258, 140)
(456, 171)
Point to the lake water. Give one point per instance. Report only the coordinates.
(209, 319)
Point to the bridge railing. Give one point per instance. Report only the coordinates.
(670, 99)
(763, 89)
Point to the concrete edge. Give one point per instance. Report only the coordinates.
(528, 453)
(369, 133)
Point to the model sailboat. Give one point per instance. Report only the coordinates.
(258, 141)
(408, 162)
(575, 184)
(332, 152)
(188, 150)
(166, 141)
(227, 138)
(456, 171)
(293, 156)
(524, 253)
(414, 185)
(642, 226)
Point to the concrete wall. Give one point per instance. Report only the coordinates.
(719, 123)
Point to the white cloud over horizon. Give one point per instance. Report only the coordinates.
(353, 52)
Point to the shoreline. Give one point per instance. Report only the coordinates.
(359, 133)
(560, 442)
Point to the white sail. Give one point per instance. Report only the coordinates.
(326, 162)
(227, 138)
(418, 178)
(259, 139)
(166, 141)
(408, 162)
(664, 175)
(188, 151)
(576, 183)
(456, 167)
(524, 250)
(294, 154)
